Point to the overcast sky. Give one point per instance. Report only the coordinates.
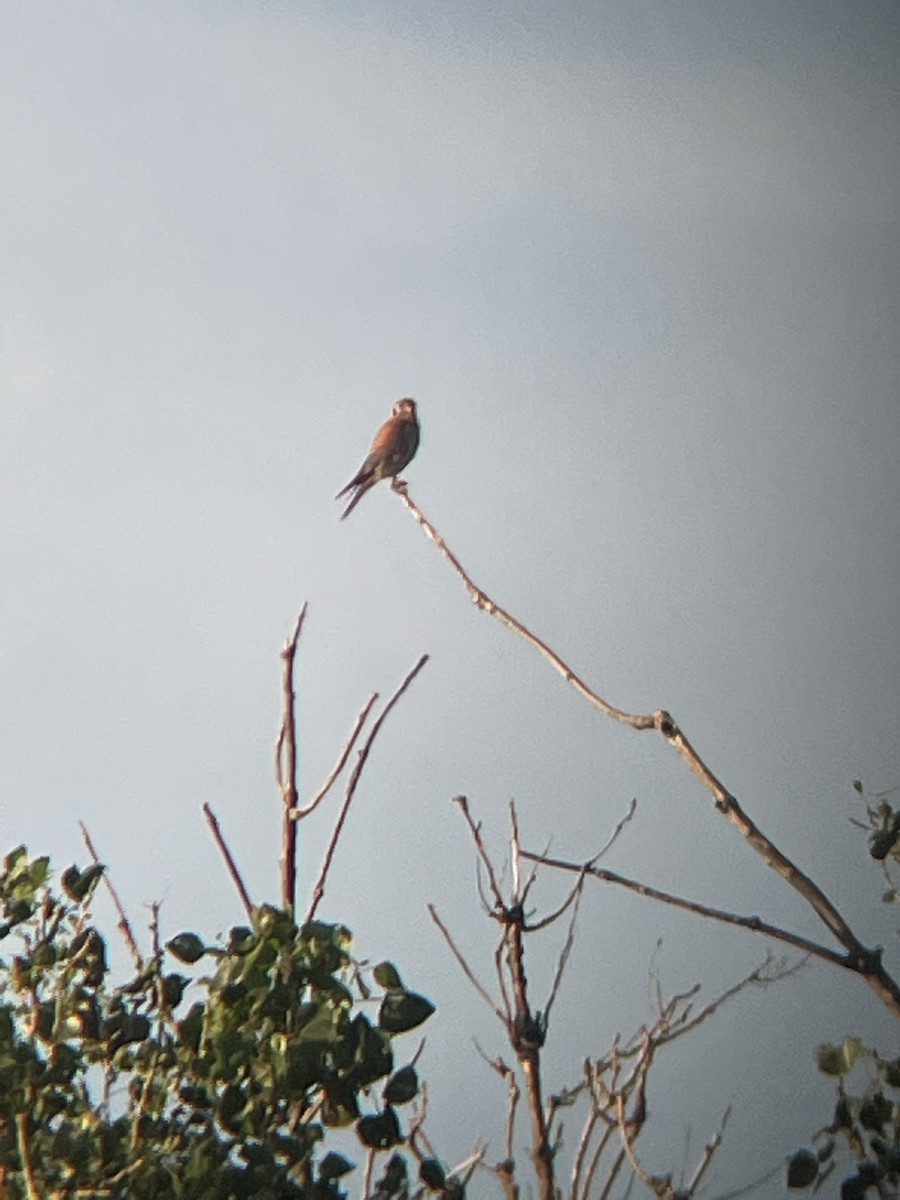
(639, 264)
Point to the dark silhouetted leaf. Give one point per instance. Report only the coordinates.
(803, 1170)
(333, 1166)
(187, 947)
(432, 1175)
(402, 1087)
(402, 1011)
(387, 976)
(379, 1132)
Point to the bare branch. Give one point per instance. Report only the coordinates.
(362, 758)
(520, 894)
(467, 970)
(298, 814)
(758, 977)
(286, 767)
(486, 604)
(501, 980)
(508, 1075)
(613, 837)
(865, 962)
(475, 830)
(566, 951)
(235, 874)
(754, 924)
(351, 791)
(709, 1151)
(123, 922)
(24, 1147)
(558, 912)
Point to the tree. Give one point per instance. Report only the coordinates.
(240, 1082)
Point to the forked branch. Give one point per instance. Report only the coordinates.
(858, 957)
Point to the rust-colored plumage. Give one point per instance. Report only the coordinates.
(393, 448)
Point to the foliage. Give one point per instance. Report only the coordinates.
(866, 1114)
(223, 1086)
(867, 1119)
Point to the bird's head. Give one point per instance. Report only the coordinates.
(405, 408)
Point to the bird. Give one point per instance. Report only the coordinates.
(393, 448)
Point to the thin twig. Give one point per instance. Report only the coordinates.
(709, 1151)
(614, 1170)
(24, 1148)
(564, 954)
(299, 813)
(367, 1173)
(123, 923)
(475, 830)
(516, 846)
(508, 1075)
(286, 767)
(754, 924)
(574, 894)
(319, 890)
(501, 980)
(632, 809)
(859, 958)
(486, 604)
(235, 874)
(467, 970)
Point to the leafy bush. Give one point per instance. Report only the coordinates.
(169, 1086)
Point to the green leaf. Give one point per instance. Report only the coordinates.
(334, 1165)
(78, 884)
(838, 1060)
(881, 843)
(875, 1112)
(38, 871)
(379, 1132)
(803, 1170)
(14, 857)
(401, 1087)
(402, 1011)
(238, 938)
(187, 947)
(322, 1028)
(387, 976)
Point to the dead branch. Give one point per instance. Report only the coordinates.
(709, 1151)
(754, 924)
(286, 767)
(467, 970)
(298, 814)
(508, 1075)
(859, 958)
(235, 874)
(362, 758)
(565, 952)
(23, 1146)
(475, 830)
(123, 923)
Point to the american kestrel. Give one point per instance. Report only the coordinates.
(393, 448)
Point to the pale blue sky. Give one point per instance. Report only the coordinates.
(639, 265)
